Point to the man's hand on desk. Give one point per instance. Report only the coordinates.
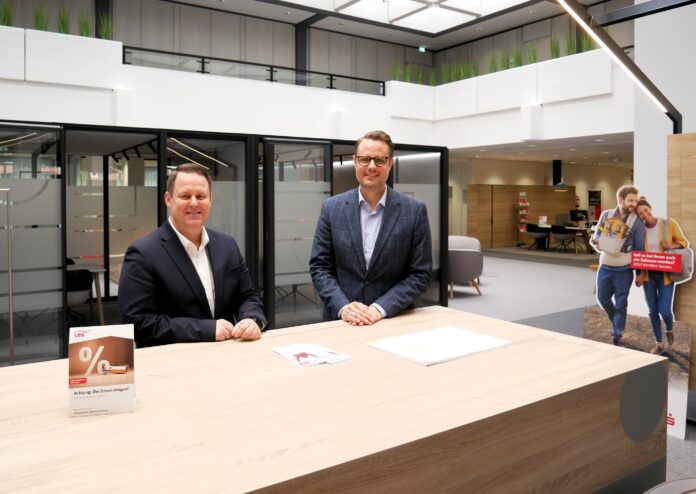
(359, 314)
(246, 329)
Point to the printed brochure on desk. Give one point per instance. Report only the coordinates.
(101, 370)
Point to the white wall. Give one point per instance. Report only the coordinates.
(82, 80)
(664, 51)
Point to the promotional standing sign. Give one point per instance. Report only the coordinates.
(101, 370)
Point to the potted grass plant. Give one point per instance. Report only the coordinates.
(555, 47)
(571, 46)
(105, 26)
(63, 20)
(84, 27)
(6, 13)
(395, 71)
(40, 17)
(504, 60)
(531, 52)
(492, 63)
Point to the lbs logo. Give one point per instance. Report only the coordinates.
(79, 333)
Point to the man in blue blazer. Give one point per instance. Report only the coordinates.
(183, 282)
(371, 256)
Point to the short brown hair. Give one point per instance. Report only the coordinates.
(377, 135)
(624, 190)
(188, 168)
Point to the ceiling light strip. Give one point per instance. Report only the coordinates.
(200, 152)
(580, 14)
(189, 159)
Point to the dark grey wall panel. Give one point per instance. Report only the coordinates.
(318, 50)
(258, 40)
(194, 33)
(366, 60)
(341, 54)
(283, 44)
(226, 36)
(127, 22)
(157, 25)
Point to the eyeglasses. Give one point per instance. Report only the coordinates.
(379, 160)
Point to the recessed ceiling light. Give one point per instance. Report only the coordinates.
(573, 162)
(606, 152)
(532, 145)
(571, 149)
(556, 155)
(482, 150)
(477, 156)
(599, 140)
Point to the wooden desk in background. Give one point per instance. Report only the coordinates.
(96, 270)
(585, 234)
(548, 413)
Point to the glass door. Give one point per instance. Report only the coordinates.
(297, 180)
(31, 279)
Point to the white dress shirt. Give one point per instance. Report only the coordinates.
(199, 258)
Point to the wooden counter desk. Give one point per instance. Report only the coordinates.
(548, 413)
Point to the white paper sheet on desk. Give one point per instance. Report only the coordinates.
(437, 345)
(306, 354)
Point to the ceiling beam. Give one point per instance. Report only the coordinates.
(637, 11)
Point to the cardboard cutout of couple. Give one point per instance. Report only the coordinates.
(639, 251)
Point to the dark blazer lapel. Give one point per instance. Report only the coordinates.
(392, 210)
(351, 215)
(217, 263)
(176, 251)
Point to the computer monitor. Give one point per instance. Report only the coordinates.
(579, 215)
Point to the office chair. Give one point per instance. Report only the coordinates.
(465, 262)
(79, 288)
(538, 234)
(563, 238)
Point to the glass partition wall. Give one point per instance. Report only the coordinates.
(297, 180)
(111, 194)
(30, 170)
(111, 199)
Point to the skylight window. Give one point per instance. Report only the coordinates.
(432, 16)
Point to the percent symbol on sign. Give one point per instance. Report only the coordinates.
(86, 356)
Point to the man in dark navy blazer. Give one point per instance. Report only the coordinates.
(183, 282)
(371, 256)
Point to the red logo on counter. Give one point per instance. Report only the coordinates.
(670, 420)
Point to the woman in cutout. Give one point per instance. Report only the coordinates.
(660, 234)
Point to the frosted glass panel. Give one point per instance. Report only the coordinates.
(418, 174)
(34, 201)
(28, 167)
(228, 213)
(300, 187)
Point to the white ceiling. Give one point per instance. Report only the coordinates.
(443, 32)
(614, 150)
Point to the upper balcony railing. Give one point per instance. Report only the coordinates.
(247, 70)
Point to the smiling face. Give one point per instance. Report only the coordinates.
(372, 177)
(645, 214)
(628, 203)
(189, 204)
